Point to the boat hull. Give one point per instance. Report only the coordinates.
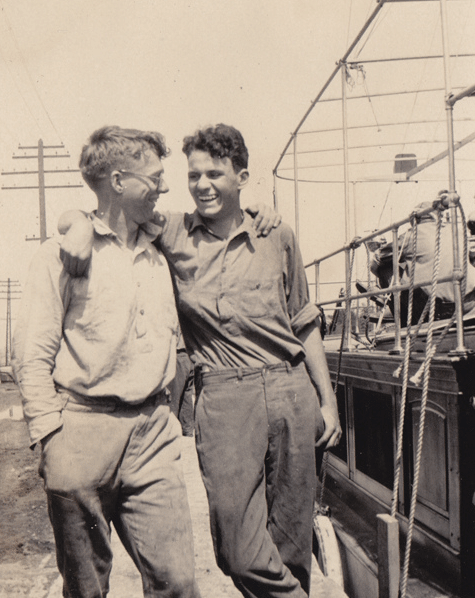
(360, 474)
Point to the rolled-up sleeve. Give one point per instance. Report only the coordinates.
(37, 339)
(301, 311)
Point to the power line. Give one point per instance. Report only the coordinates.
(28, 73)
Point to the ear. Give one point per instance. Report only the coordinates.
(116, 181)
(243, 177)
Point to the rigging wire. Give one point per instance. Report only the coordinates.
(349, 23)
(361, 78)
(33, 85)
(462, 35)
(20, 92)
(408, 124)
(384, 205)
(416, 98)
(379, 19)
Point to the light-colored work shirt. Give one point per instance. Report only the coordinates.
(243, 300)
(110, 334)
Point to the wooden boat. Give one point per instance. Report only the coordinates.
(407, 454)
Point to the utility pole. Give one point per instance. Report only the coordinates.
(40, 156)
(8, 326)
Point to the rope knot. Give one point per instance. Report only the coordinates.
(446, 199)
(397, 371)
(355, 243)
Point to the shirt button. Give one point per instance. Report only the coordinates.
(138, 284)
(223, 269)
(142, 312)
(221, 295)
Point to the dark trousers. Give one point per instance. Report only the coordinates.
(255, 436)
(119, 464)
(181, 393)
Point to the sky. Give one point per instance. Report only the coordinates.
(69, 67)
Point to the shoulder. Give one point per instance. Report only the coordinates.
(282, 236)
(173, 221)
(46, 263)
(49, 251)
(176, 226)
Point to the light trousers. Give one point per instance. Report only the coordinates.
(121, 464)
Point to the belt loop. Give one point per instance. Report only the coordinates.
(197, 380)
(239, 373)
(288, 365)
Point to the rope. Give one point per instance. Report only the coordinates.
(407, 352)
(463, 283)
(388, 295)
(368, 271)
(368, 310)
(338, 371)
(425, 393)
(417, 377)
(423, 371)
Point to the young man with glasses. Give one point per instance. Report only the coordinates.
(93, 357)
(254, 337)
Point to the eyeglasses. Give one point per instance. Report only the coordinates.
(155, 180)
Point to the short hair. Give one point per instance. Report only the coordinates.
(220, 141)
(113, 147)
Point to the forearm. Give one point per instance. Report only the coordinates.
(36, 342)
(42, 406)
(316, 364)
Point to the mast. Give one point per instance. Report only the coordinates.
(452, 196)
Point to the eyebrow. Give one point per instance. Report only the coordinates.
(211, 170)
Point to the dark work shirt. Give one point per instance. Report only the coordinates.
(241, 300)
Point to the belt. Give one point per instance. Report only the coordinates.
(204, 373)
(109, 404)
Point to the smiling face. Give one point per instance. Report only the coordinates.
(141, 186)
(215, 186)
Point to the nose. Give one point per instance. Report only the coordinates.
(203, 182)
(163, 187)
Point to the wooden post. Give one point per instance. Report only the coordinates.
(41, 187)
(388, 556)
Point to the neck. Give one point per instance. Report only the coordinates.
(125, 230)
(224, 227)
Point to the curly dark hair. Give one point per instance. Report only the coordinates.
(113, 147)
(220, 141)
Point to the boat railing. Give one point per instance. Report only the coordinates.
(445, 202)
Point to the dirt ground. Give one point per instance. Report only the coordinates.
(22, 499)
(27, 562)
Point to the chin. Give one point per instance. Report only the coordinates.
(207, 213)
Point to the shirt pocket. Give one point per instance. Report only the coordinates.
(257, 298)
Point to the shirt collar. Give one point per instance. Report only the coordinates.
(101, 227)
(196, 221)
(144, 238)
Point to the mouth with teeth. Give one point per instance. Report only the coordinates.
(207, 198)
